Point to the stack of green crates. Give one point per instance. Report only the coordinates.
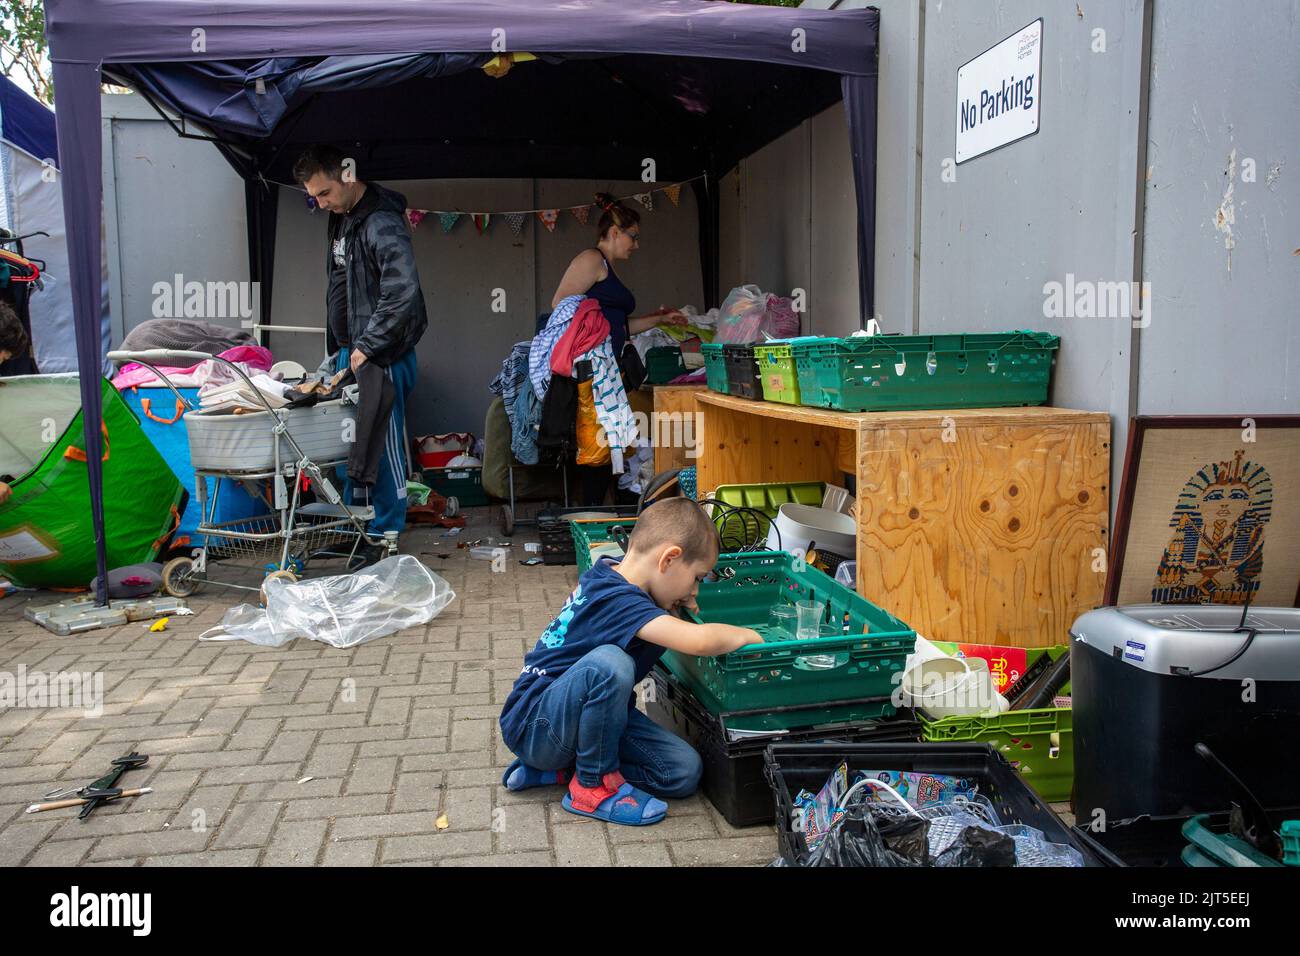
(778, 681)
(776, 370)
(715, 367)
(906, 372)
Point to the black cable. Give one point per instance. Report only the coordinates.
(1245, 646)
(725, 516)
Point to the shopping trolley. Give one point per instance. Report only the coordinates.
(281, 451)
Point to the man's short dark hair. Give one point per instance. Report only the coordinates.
(319, 159)
(678, 521)
(13, 338)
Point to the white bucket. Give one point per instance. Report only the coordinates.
(797, 525)
(951, 686)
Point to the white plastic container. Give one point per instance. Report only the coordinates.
(952, 687)
(798, 525)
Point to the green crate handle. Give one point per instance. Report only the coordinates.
(789, 650)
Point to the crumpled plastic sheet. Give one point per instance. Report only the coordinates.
(342, 610)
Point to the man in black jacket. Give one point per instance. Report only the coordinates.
(375, 307)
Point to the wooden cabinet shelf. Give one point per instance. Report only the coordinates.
(982, 525)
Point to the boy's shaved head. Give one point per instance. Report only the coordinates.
(675, 521)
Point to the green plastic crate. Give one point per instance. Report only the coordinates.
(1291, 842)
(768, 497)
(589, 533)
(1038, 742)
(715, 367)
(465, 484)
(776, 370)
(869, 653)
(905, 372)
(663, 363)
(759, 720)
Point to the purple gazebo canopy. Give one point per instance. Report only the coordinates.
(695, 85)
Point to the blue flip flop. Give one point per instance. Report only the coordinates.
(629, 806)
(520, 776)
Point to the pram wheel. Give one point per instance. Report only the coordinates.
(287, 576)
(178, 578)
(507, 521)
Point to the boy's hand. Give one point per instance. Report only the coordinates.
(747, 636)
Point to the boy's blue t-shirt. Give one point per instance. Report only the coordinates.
(605, 608)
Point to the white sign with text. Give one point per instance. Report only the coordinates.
(998, 92)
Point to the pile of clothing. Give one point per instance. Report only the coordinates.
(575, 338)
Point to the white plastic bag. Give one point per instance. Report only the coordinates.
(342, 610)
(749, 314)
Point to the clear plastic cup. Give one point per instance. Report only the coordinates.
(810, 619)
(782, 621)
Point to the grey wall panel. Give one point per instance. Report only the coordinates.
(1220, 248)
(176, 206)
(664, 270)
(1042, 208)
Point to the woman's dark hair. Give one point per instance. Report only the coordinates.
(13, 338)
(319, 159)
(614, 213)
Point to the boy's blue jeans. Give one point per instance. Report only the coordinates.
(583, 718)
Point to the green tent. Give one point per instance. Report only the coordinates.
(47, 536)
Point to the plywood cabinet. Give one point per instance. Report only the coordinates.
(981, 525)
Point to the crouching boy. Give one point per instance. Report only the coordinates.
(571, 717)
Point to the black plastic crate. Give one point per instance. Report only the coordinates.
(557, 540)
(743, 377)
(791, 767)
(733, 770)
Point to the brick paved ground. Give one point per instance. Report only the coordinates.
(233, 729)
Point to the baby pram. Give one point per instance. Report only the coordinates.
(286, 450)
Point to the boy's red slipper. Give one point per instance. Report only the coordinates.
(614, 801)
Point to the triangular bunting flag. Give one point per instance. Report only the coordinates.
(674, 192)
(549, 217)
(416, 216)
(580, 213)
(448, 219)
(646, 199)
(515, 220)
(481, 220)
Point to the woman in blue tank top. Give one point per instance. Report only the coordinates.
(591, 273)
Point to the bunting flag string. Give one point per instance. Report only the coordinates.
(517, 218)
